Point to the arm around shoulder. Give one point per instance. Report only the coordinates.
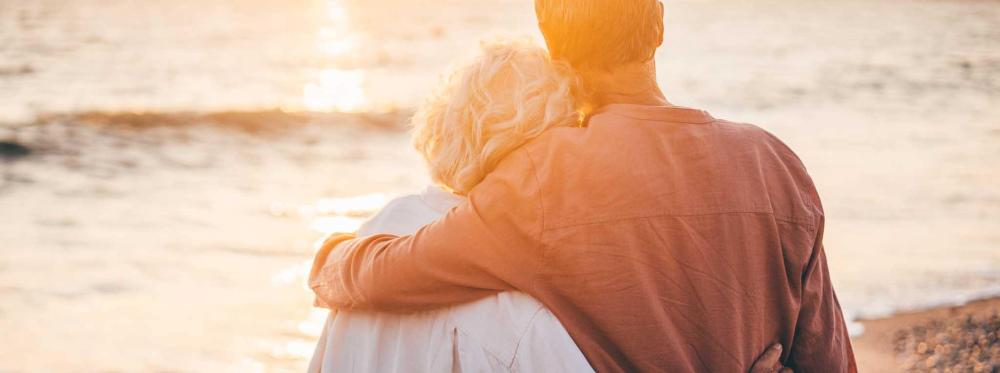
(487, 244)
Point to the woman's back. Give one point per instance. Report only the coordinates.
(505, 332)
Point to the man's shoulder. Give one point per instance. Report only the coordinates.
(772, 153)
(743, 136)
(557, 142)
(537, 151)
(555, 136)
(748, 132)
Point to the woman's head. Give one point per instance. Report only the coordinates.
(509, 94)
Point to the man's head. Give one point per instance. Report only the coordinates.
(601, 34)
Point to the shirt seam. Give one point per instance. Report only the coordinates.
(806, 222)
(541, 217)
(462, 332)
(648, 119)
(520, 338)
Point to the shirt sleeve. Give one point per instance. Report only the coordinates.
(821, 342)
(488, 244)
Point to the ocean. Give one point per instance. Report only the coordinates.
(178, 160)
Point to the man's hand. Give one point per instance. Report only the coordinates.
(770, 361)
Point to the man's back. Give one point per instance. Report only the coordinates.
(698, 237)
(661, 238)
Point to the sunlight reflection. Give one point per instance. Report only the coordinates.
(290, 350)
(363, 204)
(298, 349)
(340, 90)
(333, 43)
(327, 215)
(249, 366)
(335, 12)
(336, 88)
(313, 326)
(292, 275)
(335, 224)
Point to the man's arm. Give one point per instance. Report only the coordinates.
(485, 245)
(821, 342)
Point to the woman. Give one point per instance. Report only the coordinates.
(509, 94)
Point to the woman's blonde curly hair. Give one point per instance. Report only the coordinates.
(483, 110)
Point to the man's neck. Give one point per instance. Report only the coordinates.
(631, 84)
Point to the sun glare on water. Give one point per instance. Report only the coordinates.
(328, 215)
(335, 88)
(340, 215)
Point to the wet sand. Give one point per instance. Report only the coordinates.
(961, 339)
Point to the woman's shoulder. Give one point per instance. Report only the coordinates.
(401, 216)
(398, 216)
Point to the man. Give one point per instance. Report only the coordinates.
(662, 238)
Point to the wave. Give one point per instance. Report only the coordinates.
(249, 121)
(17, 70)
(875, 309)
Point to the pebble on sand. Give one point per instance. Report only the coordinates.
(962, 344)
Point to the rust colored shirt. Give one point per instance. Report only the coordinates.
(662, 238)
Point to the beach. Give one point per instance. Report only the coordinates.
(166, 167)
(961, 338)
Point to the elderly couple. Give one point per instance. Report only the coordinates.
(581, 222)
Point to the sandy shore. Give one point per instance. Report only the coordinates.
(961, 339)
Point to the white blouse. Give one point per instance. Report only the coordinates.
(507, 332)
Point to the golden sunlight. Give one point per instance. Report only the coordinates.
(336, 88)
(343, 214)
(363, 204)
(335, 224)
(313, 326)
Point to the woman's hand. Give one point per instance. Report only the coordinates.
(770, 362)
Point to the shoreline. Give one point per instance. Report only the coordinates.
(966, 336)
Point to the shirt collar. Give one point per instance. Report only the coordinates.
(674, 114)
